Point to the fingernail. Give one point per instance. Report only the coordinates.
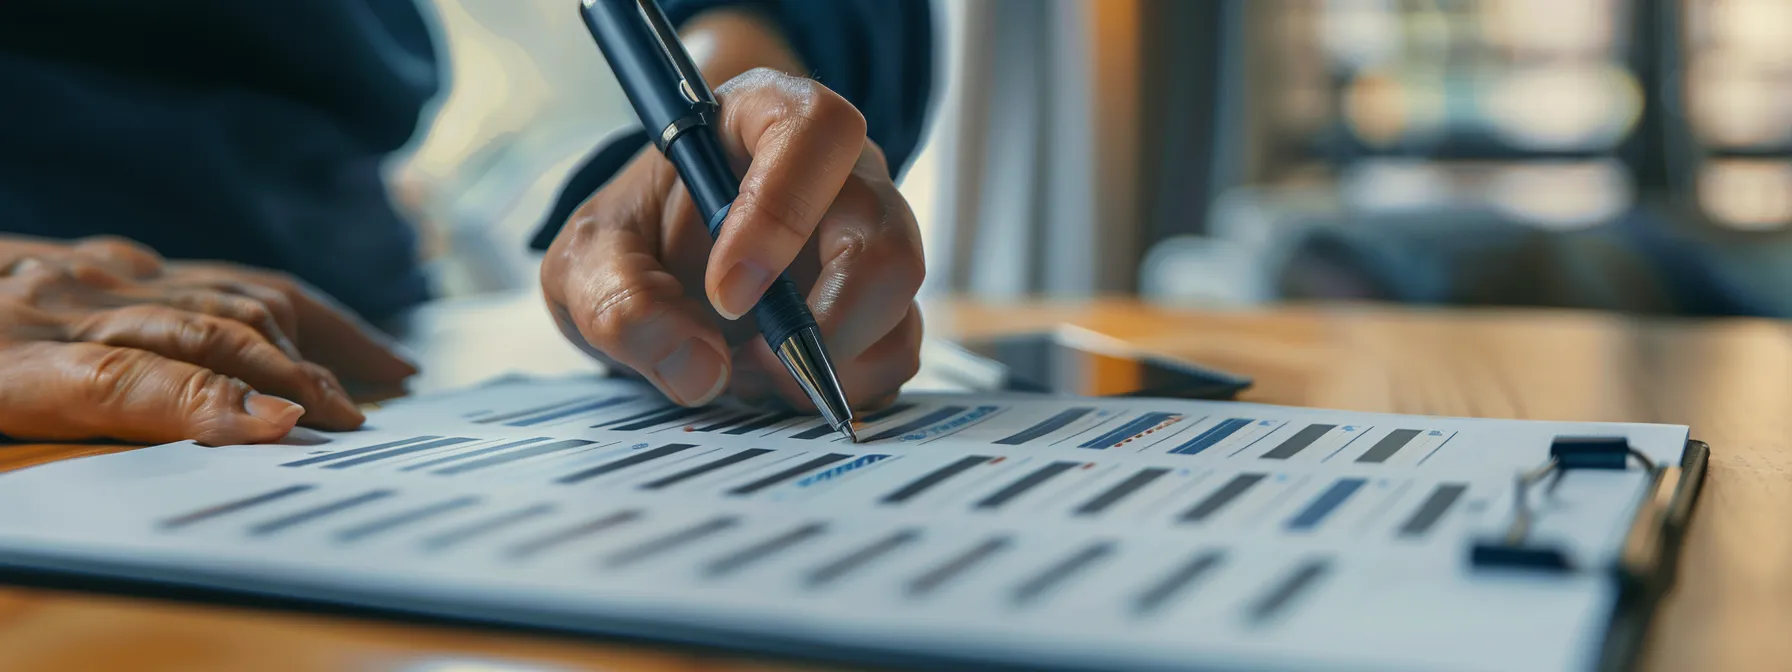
(272, 409)
(741, 288)
(337, 394)
(693, 374)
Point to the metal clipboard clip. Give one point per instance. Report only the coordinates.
(1515, 550)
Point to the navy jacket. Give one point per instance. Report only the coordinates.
(254, 131)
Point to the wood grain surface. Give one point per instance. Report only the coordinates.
(1731, 380)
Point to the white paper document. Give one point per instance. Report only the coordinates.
(1028, 531)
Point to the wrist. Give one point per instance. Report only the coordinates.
(729, 41)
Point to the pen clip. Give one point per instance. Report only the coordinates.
(690, 79)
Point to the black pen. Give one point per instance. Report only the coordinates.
(679, 112)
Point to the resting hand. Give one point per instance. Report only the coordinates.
(634, 277)
(88, 350)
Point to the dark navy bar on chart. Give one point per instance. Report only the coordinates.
(397, 520)
(320, 459)
(787, 474)
(1060, 572)
(627, 419)
(574, 533)
(763, 422)
(1028, 482)
(932, 579)
(1213, 503)
(823, 430)
(314, 513)
(1325, 503)
(658, 545)
(471, 454)
(1289, 590)
(1433, 509)
(566, 412)
(217, 510)
(512, 456)
(502, 417)
(670, 415)
(1136, 426)
(1176, 582)
(727, 421)
(1212, 436)
(938, 415)
(934, 478)
(704, 468)
(1120, 491)
(624, 463)
(1299, 442)
(397, 452)
(445, 540)
(1050, 425)
(1388, 445)
(740, 559)
(833, 571)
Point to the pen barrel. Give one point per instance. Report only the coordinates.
(703, 165)
(782, 312)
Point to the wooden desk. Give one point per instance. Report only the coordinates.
(1731, 380)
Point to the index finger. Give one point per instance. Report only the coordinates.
(803, 140)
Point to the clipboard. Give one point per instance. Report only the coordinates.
(1648, 556)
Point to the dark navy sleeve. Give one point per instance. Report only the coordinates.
(878, 54)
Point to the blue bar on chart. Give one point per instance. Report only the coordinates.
(1139, 425)
(1213, 435)
(1048, 426)
(568, 412)
(1325, 504)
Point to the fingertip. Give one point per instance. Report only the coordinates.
(272, 410)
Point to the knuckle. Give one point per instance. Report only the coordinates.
(110, 376)
(628, 303)
(785, 211)
(830, 112)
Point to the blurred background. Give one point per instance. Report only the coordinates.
(1632, 156)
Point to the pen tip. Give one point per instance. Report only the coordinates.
(850, 434)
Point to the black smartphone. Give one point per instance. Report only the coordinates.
(1076, 361)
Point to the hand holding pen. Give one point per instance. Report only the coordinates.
(816, 203)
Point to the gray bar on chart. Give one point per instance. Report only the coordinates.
(631, 418)
(670, 415)
(658, 545)
(1213, 503)
(529, 411)
(302, 517)
(512, 456)
(932, 579)
(738, 560)
(624, 463)
(1433, 509)
(1175, 583)
(833, 571)
(366, 530)
(787, 474)
(1028, 482)
(234, 506)
(1060, 572)
(727, 421)
(1388, 445)
(704, 468)
(934, 478)
(1299, 442)
(571, 534)
(398, 452)
(1120, 491)
(1289, 590)
(326, 457)
(471, 454)
(453, 537)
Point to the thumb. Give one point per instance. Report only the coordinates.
(75, 391)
